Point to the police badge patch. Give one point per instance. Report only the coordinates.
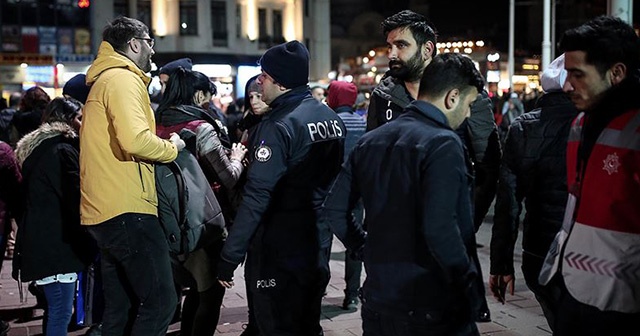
(263, 153)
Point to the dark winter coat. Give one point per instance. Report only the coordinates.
(295, 153)
(50, 239)
(479, 133)
(533, 170)
(412, 176)
(222, 173)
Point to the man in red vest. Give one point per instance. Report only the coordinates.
(596, 255)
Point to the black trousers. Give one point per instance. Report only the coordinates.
(576, 318)
(353, 267)
(136, 274)
(287, 292)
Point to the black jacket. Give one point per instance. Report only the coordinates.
(534, 170)
(479, 133)
(387, 102)
(50, 239)
(412, 176)
(295, 153)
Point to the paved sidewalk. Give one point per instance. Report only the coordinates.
(521, 315)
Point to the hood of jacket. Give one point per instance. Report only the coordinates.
(107, 59)
(342, 94)
(180, 114)
(393, 89)
(46, 131)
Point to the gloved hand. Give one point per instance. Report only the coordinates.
(225, 273)
(175, 139)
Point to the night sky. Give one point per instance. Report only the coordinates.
(489, 20)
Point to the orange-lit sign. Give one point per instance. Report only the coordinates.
(84, 3)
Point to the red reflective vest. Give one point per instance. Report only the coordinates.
(601, 257)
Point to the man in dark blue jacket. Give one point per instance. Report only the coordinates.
(295, 153)
(411, 41)
(413, 177)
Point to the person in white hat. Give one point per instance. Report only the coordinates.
(534, 169)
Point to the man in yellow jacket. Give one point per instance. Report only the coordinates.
(118, 203)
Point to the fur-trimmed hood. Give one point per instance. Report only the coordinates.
(46, 131)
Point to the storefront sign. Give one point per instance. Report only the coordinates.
(47, 36)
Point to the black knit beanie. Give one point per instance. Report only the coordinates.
(77, 88)
(172, 66)
(287, 63)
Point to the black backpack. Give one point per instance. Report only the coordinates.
(188, 210)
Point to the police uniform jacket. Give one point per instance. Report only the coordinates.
(295, 153)
(420, 243)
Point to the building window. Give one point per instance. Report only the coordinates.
(278, 36)
(10, 12)
(29, 13)
(46, 13)
(188, 17)
(144, 12)
(264, 40)
(238, 21)
(219, 31)
(120, 8)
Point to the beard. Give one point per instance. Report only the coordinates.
(144, 62)
(409, 71)
(146, 66)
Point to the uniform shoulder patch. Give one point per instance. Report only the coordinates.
(263, 153)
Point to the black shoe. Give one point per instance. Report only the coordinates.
(4, 328)
(484, 316)
(350, 303)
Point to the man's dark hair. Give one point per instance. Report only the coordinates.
(606, 40)
(121, 30)
(181, 87)
(420, 27)
(450, 71)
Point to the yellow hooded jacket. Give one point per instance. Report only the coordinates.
(118, 141)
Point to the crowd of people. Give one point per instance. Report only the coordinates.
(403, 176)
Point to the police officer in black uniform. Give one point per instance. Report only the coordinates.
(296, 152)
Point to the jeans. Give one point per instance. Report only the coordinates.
(136, 273)
(59, 307)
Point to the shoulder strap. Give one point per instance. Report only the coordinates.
(222, 135)
(175, 169)
(204, 116)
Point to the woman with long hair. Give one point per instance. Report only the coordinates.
(181, 111)
(51, 246)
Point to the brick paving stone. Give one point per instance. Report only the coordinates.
(520, 316)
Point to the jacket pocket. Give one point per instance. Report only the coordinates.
(148, 183)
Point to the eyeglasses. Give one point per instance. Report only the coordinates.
(263, 76)
(150, 41)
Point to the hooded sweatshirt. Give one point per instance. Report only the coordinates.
(118, 141)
